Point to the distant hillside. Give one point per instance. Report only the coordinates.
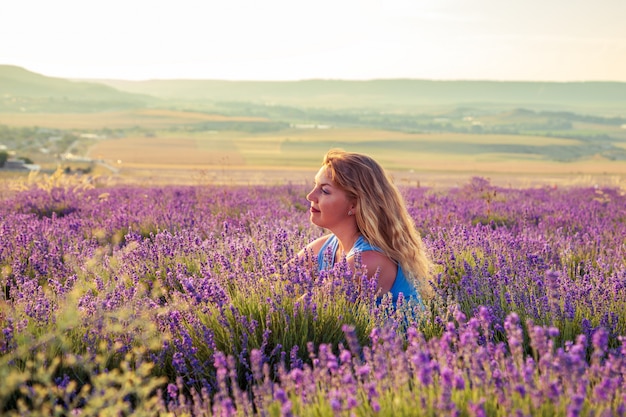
(22, 90)
(394, 93)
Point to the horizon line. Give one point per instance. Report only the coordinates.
(338, 79)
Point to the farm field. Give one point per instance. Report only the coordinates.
(294, 155)
(186, 300)
(146, 118)
(170, 141)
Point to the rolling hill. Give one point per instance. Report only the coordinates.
(393, 94)
(23, 90)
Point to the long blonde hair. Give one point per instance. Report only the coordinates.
(381, 214)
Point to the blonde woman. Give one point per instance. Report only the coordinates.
(356, 201)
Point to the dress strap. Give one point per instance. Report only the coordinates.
(326, 255)
(362, 245)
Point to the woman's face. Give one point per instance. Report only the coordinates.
(329, 204)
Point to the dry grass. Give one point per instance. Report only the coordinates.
(144, 118)
(363, 136)
(164, 151)
(154, 174)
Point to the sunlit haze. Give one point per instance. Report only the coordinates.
(556, 40)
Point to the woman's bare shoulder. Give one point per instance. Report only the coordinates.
(378, 259)
(373, 261)
(315, 246)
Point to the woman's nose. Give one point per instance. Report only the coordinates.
(309, 196)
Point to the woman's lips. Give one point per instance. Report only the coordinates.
(314, 210)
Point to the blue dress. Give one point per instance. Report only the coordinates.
(401, 283)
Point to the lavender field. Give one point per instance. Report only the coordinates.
(187, 301)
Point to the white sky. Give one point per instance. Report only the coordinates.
(550, 40)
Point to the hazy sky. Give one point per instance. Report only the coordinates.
(551, 40)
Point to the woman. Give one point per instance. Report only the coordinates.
(356, 201)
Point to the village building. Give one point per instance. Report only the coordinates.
(19, 165)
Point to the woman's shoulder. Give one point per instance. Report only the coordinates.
(377, 261)
(315, 246)
(374, 257)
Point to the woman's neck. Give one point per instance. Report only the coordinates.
(347, 240)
